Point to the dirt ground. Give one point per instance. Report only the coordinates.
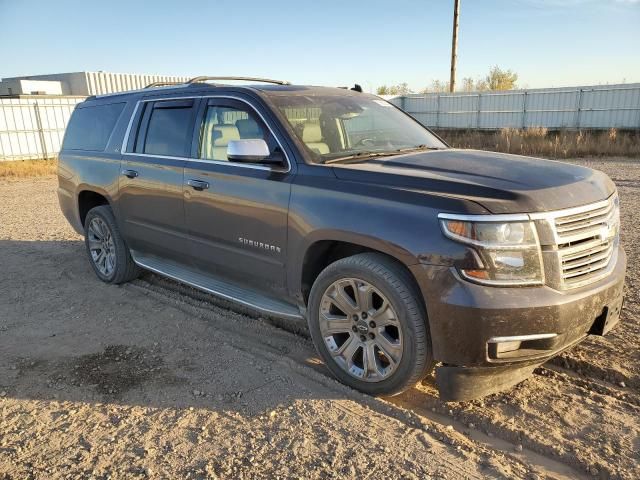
(155, 380)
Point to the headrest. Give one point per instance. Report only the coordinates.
(311, 133)
(249, 128)
(223, 134)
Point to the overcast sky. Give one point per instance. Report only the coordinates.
(547, 42)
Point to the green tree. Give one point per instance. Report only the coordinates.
(499, 79)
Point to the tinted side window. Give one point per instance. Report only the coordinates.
(223, 124)
(169, 130)
(91, 127)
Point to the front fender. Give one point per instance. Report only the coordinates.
(400, 223)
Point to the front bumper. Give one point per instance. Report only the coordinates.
(467, 322)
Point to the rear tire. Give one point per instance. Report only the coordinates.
(381, 345)
(108, 253)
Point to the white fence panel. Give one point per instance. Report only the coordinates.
(500, 110)
(32, 128)
(602, 107)
(552, 108)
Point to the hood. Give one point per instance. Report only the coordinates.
(501, 183)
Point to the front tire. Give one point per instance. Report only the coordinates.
(108, 253)
(368, 325)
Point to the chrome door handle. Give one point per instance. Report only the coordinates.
(198, 185)
(129, 173)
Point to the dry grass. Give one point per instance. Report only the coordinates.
(547, 143)
(28, 168)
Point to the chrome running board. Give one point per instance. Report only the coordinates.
(220, 288)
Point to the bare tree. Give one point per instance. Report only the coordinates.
(468, 84)
(400, 89)
(496, 79)
(437, 86)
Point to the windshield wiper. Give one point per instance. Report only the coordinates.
(386, 153)
(361, 156)
(417, 147)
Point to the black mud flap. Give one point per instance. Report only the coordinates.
(459, 384)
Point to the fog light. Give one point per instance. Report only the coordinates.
(507, 346)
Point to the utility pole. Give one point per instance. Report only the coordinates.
(454, 45)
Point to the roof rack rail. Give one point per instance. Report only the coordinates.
(162, 84)
(250, 79)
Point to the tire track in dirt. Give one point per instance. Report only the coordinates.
(555, 416)
(602, 387)
(590, 372)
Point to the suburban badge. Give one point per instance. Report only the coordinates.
(260, 245)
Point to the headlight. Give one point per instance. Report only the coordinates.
(507, 246)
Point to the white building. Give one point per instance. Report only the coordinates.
(80, 83)
(19, 86)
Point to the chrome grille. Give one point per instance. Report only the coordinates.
(586, 240)
(584, 224)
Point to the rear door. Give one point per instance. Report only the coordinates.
(236, 213)
(150, 194)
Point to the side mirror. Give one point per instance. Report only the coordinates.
(248, 150)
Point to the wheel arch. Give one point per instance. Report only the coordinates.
(89, 198)
(322, 252)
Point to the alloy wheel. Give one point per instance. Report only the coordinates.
(101, 246)
(361, 329)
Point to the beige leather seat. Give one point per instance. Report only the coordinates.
(312, 137)
(218, 139)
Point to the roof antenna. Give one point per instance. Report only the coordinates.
(357, 88)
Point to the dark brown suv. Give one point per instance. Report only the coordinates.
(333, 207)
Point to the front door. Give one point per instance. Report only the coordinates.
(236, 213)
(150, 194)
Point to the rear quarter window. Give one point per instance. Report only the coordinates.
(91, 127)
(168, 129)
(168, 132)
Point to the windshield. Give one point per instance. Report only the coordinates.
(340, 127)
